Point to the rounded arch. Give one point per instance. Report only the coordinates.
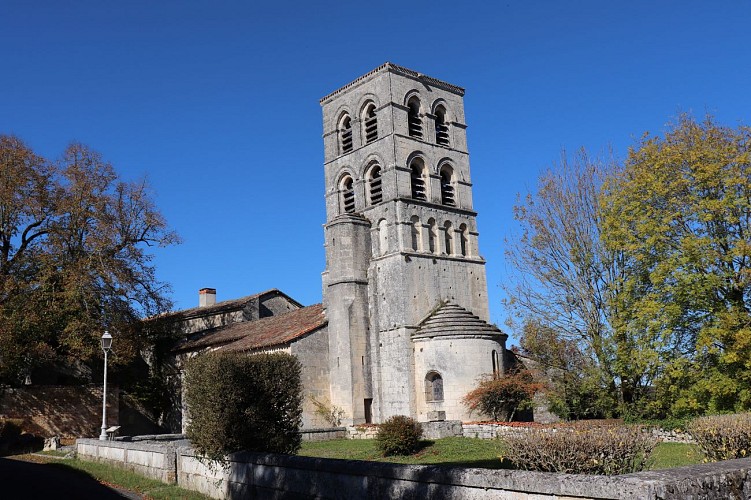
(440, 102)
(414, 115)
(448, 238)
(448, 184)
(344, 132)
(415, 233)
(418, 174)
(433, 236)
(346, 189)
(369, 121)
(464, 249)
(433, 386)
(373, 175)
(410, 95)
(440, 114)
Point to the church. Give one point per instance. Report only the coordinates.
(403, 328)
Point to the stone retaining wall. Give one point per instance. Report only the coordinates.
(256, 475)
(323, 434)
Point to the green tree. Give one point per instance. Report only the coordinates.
(73, 257)
(681, 211)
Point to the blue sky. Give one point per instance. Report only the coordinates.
(216, 103)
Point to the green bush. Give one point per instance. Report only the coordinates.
(399, 435)
(723, 437)
(243, 402)
(581, 449)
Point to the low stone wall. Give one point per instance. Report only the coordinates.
(490, 431)
(323, 434)
(367, 431)
(256, 475)
(157, 461)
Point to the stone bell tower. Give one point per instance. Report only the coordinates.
(401, 242)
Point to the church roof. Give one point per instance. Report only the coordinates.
(261, 333)
(224, 306)
(451, 319)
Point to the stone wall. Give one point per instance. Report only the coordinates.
(323, 434)
(255, 475)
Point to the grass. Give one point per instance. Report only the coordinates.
(468, 452)
(121, 478)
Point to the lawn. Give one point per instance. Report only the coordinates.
(468, 452)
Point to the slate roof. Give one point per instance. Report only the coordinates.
(225, 305)
(452, 319)
(261, 333)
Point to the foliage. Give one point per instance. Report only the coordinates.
(73, 258)
(575, 387)
(329, 412)
(723, 437)
(398, 435)
(681, 212)
(581, 449)
(243, 402)
(501, 397)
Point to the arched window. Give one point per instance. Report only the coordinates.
(383, 237)
(449, 238)
(496, 367)
(345, 134)
(369, 123)
(464, 240)
(447, 186)
(432, 236)
(347, 192)
(415, 233)
(375, 193)
(441, 129)
(417, 173)
(414, 122)
(433, 387)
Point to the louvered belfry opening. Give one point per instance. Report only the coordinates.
(346, 132)
(371, 124)
(376, 192)
(447, 188)
(418, 182)
(348, 195)
(414, 121)
(441, 129)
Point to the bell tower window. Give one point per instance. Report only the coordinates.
(447, 187)
(347, 190)
(370, 123)
(432, 236)
(414, 122)
(441, 129)
(345, 134)
(417, 173)
(375, 190)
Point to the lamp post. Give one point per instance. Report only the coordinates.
(106, 345)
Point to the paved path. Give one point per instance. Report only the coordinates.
(28, 480)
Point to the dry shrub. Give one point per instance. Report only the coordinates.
(723, 437)
(399, 435)
(581, 449)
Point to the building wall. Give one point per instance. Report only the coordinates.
(313, 353)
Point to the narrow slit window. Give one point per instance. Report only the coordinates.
(370, 123)
(348, 194)
(418, 180)
(464, 240)
(414, 122)
(376, 191)
(415, 232)
(449, 238)
(345, 131)
(441, 127)
(432, 236)
(447, 188)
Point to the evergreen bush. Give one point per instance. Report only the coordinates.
(581, 449)
(399, 435)
(243, 402)
(723, 437)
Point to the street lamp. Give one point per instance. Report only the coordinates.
(106, 345)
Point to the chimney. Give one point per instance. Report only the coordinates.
(206, 297)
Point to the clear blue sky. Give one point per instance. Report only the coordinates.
(217, 104)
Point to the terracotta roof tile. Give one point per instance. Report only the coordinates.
(265, 332)
(225, 305)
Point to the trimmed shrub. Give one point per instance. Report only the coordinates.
(399, 435)
(581, 449)
(244, 402)
(501, 397)
(723, 437)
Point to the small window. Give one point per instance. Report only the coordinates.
(432, 236)
(464, 241)
(433, 387)
(441, 128)
(415, 231)
(383, 237)
(449, 238)
(447, 187)
(374, 185)
(345, 134)
(417, 173)
(370, 123)
(347, 194)
(414, 122)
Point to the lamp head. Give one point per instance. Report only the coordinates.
(106, 341)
